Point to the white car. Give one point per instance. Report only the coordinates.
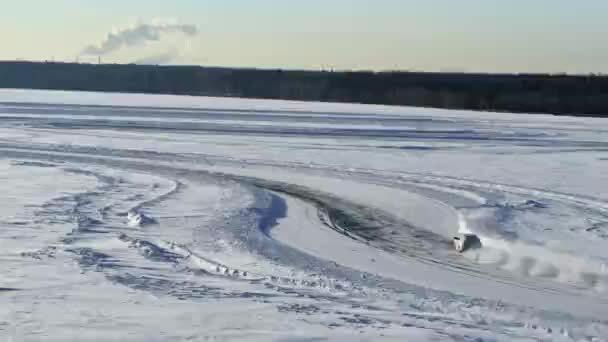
(463, 242)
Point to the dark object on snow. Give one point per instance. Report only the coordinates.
(464, 242)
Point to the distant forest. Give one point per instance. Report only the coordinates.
(530, 93)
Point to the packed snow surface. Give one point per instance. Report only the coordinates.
(154, 218)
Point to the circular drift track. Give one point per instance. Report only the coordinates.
(174, 218)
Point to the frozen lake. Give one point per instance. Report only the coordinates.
(154, 217)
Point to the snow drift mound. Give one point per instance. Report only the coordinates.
(137, 219)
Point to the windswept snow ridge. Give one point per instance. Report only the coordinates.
(180, 218)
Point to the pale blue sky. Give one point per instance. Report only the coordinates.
(468, 35)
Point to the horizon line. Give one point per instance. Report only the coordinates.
(327, 70)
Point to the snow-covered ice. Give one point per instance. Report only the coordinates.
(155, 217)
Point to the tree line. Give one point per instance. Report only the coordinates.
(584, 95)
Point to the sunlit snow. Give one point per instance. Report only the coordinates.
(148, 217)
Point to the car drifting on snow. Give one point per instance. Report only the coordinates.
(464, 242)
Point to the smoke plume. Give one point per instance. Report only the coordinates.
(137, 35)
